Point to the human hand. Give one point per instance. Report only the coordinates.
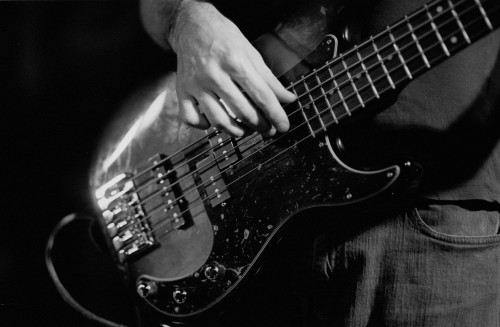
(216, 62)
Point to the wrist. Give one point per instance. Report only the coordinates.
(173, 22)
(184, 13)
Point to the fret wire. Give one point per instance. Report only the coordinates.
(409, 60)
(299, 141)
(419, 11)
(399, 54)
(339, 92)
(198, 202)
(413, 58)
(326, 99)
(384, 68)
(483, 13)
(374, 89)
(303, 113)
(377, 54)
(314, 103)
(434, 27)
(419, 47)
(434, 45)
(424, 9)
(416, 56)
(352, 83)
(459, 22)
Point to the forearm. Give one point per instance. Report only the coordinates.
(160, 17)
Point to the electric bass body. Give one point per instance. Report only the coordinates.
(188, 214)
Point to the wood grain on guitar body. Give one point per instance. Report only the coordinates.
(187, 214)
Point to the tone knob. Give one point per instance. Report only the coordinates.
(179, 295)
(146, 288)
(214, 271)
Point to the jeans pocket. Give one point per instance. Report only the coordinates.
(454, 224)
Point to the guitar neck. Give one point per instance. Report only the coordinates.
(389, 60)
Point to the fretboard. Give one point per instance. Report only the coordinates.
(391, 59)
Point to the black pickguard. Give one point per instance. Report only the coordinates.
(267, 189)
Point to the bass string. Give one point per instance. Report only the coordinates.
(308, 92)
(209, 197)
(190, 160)
(381, 34)
(213, 162)
(301, 80)
(215, 194)
(307, 137)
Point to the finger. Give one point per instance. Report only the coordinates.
(189, 114)
(264, 98)
(218, 116)
(270, 132)
(240, 106)
(278, 89)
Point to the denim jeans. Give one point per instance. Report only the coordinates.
(435, 265)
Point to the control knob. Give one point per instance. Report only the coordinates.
(179, 295)
(214, 271)
(146, 288)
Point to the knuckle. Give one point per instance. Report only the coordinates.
(234, 63)
(210, 77)
(203, 76)
(260, 98)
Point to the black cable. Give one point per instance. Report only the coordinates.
(57, 282)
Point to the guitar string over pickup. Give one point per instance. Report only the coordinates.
(211, 169)
(223, 149)
(212, 180)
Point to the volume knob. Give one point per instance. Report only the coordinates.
(214, 271)
(179, 295)
(145, 289)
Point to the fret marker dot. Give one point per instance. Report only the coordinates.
(439, 9)
(454, 39)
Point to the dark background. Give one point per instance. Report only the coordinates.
(65, 69)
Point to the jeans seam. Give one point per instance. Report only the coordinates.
(425, 229)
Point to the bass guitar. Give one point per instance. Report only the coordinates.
(188, 214)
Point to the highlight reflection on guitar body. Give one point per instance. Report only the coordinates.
(188, 214)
